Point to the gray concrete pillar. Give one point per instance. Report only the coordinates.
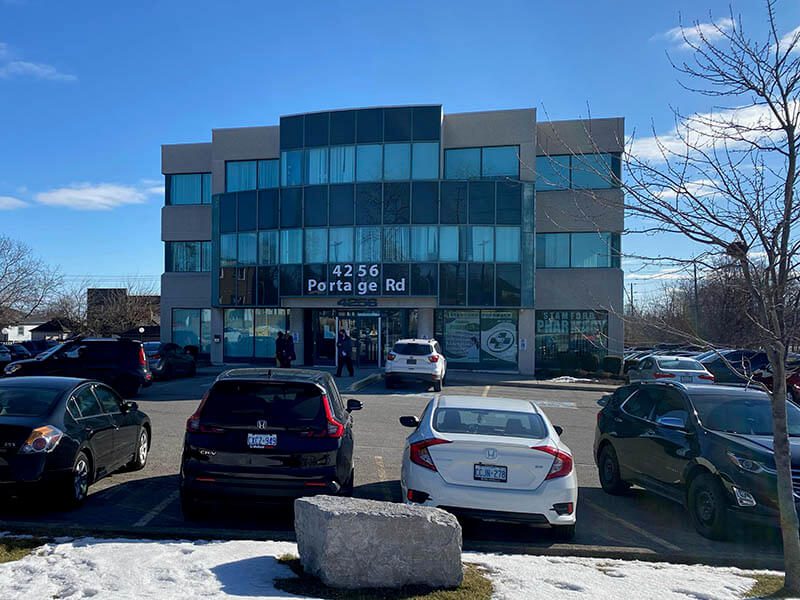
(217, 333)
(425, 323)
(527, 341)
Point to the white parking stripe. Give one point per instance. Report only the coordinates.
(556, 404)
(157, 510)
(486, 391)
(650, 536)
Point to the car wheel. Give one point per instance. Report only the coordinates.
(564, 533)
(76, 486)
(347, 488)
(141, 452)
(608, 471)
(708, 507)
(190, 508)
(437, 385)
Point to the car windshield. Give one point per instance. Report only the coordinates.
(412, 349)
(52, 351)
(482, 421)
(151, 347)
(281, 405)
(18, 401)
(747, 415)
(679, 364)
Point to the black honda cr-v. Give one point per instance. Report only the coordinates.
(708, 447)
(262, 434)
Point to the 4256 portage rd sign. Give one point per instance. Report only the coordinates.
(357, 279)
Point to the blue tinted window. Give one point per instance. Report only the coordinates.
(425, 202)
(291, 246)
(425, 160)
(482, 244)
(267, 209)
(227, 249)
(205, 198)
(590, 250)
(509, 202)
(507, 244)
(183, 257)
(481, 285)
(316, 166)
(268, 247)
(368, 204)
(205, 256)
(462, 163)
(552, 173)
(291, 279)
(292, 167)
(424, 279)
(481, 202)
(452, 284)
(316, 245)
(427, 122)
(343, 127)
(502, 161)
(316, 129)
(340, 244)
(396, 244)
(454, 207)
(186, 189)
(315, 213)
(291, 207)
(396, 162)
(268, 173)
(227, 212)
(396, 202)
(369, 125)
(508, 281)
(240, 175)
(247, 249)
(397, 124)
(369, 162)
(246, 216)
(368, 244)
(592, 171)
(552, 250)
(448, 243)
(291, 131)
(341, 204)
(343, 164)
(424, 243)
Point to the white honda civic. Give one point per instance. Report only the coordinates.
(490, 458)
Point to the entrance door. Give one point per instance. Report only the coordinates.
(365, 331)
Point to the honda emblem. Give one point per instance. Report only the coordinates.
(261, 424)
(491, 453)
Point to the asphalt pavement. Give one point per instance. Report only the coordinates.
(145, 503)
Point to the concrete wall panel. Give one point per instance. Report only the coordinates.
(186, 223)
(186, 158)
(574, 210)
(493, 128)
(581, 136)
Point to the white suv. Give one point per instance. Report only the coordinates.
(418, 360)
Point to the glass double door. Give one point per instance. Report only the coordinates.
(365, 331)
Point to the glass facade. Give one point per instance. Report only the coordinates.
(582, 171)
(192, 327)
(571, 340)
(251, 333)
(483, 339)
(578, 250)
(191, 188)
(481, 163)
(187, 257)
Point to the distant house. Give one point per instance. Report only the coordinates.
(20, 331)
(54, 329)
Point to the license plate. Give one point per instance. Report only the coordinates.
(411, 361)
(262, 440)
(490, 473)
(686, 379)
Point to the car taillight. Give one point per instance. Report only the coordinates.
(391, 356)
(562, 465)
(142, 357)
(42, 439)
(434, 358)
(707, 377)
(156, 356)
(419, 454)
(664, 375)
(334, 428)
(193, 424)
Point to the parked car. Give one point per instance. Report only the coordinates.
(120, 363)
(18, 352)
(169, 360)
(63, 434)
(708, 447)
(679, 368)
(416, 360)
(737, 365)
(490, 458)
(36, 347)
(5, 355)
(267, 434)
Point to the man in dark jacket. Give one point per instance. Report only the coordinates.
(345, 349)
(280, 350)
(288, 350)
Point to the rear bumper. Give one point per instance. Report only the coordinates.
(403, 376)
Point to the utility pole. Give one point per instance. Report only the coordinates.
(631, 300)
(696, 303)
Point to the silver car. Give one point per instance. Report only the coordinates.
(677, 368)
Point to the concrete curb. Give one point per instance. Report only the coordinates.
(535, 385)
(366, 381)
(48, 532)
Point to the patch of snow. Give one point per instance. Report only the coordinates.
(133, 569)
(568, 379)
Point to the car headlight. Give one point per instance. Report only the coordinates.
(750, 465)
(12, 368)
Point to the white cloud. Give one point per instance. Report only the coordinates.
(11, 203)
(684, 37)
(787, 39)
(22, 68)
(93, 196)
(4, 51)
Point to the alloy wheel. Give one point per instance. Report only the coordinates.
(143, 442)
(80, 480)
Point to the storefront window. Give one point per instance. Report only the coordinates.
(251, 332)
(192, 327)
(571, 339)
(238, 333)
(485, 339)
(268, 322)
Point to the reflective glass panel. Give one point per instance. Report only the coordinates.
(206, 195)
(267, 209)
(340, 244)
(369, 125)
(227, 212)
(240, 175)
(502, 161)
(186, 189)
(183, 257)
(341, 204)
(268, 173)
(368, 204)
(248, 249)
(291, 131)
(268, 285)
(316, 166)
(424, 279)
(509, 203)
(448, 243)
(552, 250)
(396, 244)
(454, 207)
(425, 160)
(483, 244)
(268, 247)
(396, 162)
(481, 202)
(268, 322)
(396, 202)
(397, 124)
(246, 215)
(291, 207)
(452, 284)
(292, 167)
(343, 164)
(205, 256)
(424, 202)
(368, 244)
(507, 244)
(427, 122)
(316, 245)
(369, 162)
(592, 171)
(508, 284)
(552, 173)
(343, 127)
(238, 332)
(316, 206)
(186, 327)
(462, 163)
(590, 250)
(291, 246)
(424, 243)
(481, 285)
(227, 249)
(316, 129)
(291, 280)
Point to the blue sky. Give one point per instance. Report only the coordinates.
(90, 90)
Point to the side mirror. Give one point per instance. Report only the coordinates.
(412, 422)
(354, 405)
(603, 401)
(671, 422)
(559, 430)
(129, 406)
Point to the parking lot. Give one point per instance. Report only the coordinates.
(640, 525)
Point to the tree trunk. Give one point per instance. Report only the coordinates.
(783, 463)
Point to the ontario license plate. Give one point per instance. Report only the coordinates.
(262, 440)
(490, 473)
(411, 361)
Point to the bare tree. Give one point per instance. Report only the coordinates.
(26, 282)
(725, 181)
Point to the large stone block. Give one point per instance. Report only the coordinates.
(354, 543)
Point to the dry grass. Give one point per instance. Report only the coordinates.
(476, 586)
(14, 549)
(766, 586)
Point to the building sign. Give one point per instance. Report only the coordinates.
(481, 337)
(499, 337)
(358, 280)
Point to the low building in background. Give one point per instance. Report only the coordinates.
(495, 233)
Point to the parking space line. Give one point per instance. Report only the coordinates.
(651, 536)
(486, 391)
(381, 468)
(158, 508)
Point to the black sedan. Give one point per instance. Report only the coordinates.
(708, 447)
(65, 434)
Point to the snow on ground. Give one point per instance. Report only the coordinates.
(568, 379)
(133, 569)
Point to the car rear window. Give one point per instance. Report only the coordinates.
(479, 421)
(27, 401)
(411, 349)
(281, 405)
(679, 364)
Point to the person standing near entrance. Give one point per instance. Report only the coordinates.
(288, 350)
(345, 348)
(280, 349)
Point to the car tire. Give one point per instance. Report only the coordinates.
(564, 533)
(76, 487)
(708, 507)
(609, 473)
(141, 452)
(437, 385)
(347, 487)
